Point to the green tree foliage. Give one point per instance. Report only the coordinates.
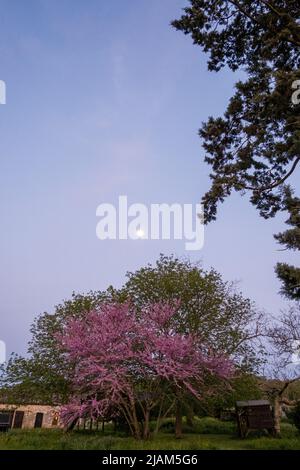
(295, 415)
(43, 375)
(290, 239)
(255, 146)
(242, 387)
(227, 321)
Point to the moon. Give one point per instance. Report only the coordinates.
(140, 233)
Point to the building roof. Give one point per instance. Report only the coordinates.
(242, 404)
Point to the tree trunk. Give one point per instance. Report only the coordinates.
(158, 420)
(135, 425)
(277, 415)
(178, 421)
(71, 425)
(190, 417)
(146, 431)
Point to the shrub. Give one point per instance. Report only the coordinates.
(206, 425)
(210, 425)
(295, 415)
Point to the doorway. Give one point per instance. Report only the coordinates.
(18, 421)
(39, 420)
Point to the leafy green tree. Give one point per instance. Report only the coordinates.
(295, 415)
(242, 387)
(290, 239)
(43, 376)
(209, 306)
(226, 320)
(255, 146)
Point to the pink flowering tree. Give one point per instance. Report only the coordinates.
(129, 363)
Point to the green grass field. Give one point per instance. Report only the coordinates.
(209, 434)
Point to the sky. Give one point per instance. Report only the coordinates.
(106, 99)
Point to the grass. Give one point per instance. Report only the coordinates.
(208, 434)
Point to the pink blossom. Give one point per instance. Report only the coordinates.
(118, 352)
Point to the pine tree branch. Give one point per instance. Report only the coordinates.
(242, 10)
(255, 20)
(282, 14)
(277, 183)
(269, 5)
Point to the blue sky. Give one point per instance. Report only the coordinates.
(103, 99)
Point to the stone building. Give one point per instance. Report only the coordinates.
(29, 416)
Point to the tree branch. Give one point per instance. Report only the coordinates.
(255, 20)
(242, 10)
(277, 183)
(287, 384)
(269, 5)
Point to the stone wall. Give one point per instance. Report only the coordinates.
(51, 418)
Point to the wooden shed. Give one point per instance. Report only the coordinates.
(253, 415)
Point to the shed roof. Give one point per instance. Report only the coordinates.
(241, 404)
